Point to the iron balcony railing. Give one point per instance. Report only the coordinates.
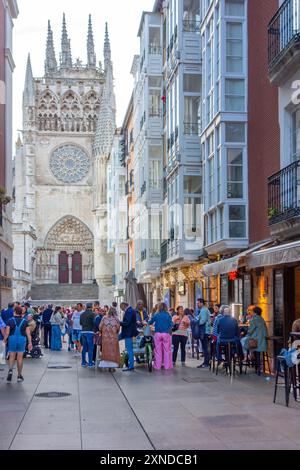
(191, 26)
(155, 112)
(284, 194)
(154, 49)
(283, 30)
(191, 128)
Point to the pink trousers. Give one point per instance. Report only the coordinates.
(163, 353)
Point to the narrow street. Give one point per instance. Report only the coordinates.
(186, 408)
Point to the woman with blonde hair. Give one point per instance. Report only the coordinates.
(162, 321)
(109, 331)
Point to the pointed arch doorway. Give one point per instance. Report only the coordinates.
(68, 253)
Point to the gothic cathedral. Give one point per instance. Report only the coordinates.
(60, 214)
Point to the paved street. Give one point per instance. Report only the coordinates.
(185, 408)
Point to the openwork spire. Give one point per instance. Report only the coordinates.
(107, 50)
(66, 56)
(91, 56)
(50, 63)
(29, 91)
(106, 125)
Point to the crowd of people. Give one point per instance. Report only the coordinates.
(88, 329)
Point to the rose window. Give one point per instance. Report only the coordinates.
(69, 164)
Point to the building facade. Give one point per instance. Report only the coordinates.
(60, 214)
(117, 214)
(8, 12)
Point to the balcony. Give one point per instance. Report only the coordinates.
(5, 282)
(192, 128)
(284, 42)
(191, 26)
(284, 201)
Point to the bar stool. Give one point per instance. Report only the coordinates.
(261, 359)
(230, 351)
(289, 376)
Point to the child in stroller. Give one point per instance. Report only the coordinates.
(34, 327)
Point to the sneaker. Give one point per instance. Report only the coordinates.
(203, 366)
(127, 370)
(84, 365)
(183, 364)
(20, 378)
(91, 366)
(9, 376)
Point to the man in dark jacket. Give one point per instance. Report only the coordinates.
(87, 320)
(47, 314)
(129, 331)
(228, 332)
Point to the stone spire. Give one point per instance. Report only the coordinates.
(107, 50)
(66, 56)
(29, 91)
(50, 63)
(106, 125)
(91, 56)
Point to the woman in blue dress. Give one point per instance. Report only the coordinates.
(57, 325)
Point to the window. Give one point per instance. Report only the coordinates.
(192, 83)
(211, 165)
(192, 185)
(221, 218)
(234, 173)
(234, 8)
(154, 40)
(192, 205)
(235, 132)
(234, 95)
(192, 113)
(155, 177)
(296, 135)
(237, 221)
(234, 47)
(191, 15)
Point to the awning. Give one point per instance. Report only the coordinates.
(231, 264)
(281, 254)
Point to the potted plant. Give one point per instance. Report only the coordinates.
(272, 212)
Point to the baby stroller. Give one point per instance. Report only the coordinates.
(143, 349)
(36, 351)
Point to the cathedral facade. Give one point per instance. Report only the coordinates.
(60, 213)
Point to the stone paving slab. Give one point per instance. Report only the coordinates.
(182, 408)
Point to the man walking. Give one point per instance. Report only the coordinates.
(77, 328)
(203, 316)
(87, 319)
(46, 324)
(129, 331)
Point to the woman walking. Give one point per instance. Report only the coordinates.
(162, 321)
(109, 330)
(57, 325)
(180, 334)
(17, 332)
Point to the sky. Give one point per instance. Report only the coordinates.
(30, 33)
